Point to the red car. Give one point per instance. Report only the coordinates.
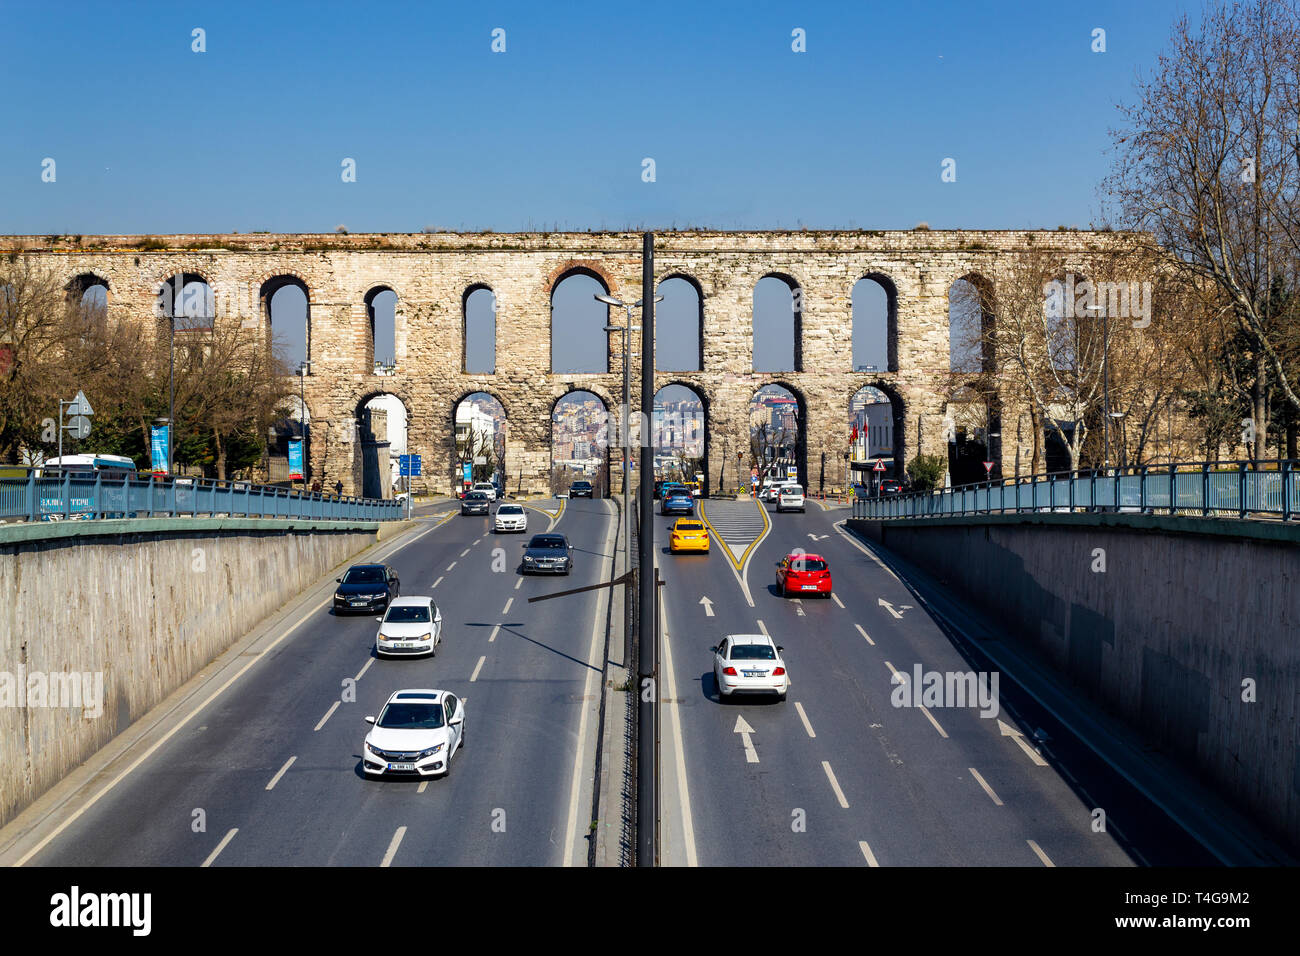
(801, 573)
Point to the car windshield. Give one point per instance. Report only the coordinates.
(477, 496)
(411, 717)
(364, 576)
(407, 614)
(582, 484)
(752, 652)
(547, 543)
(689, 526)
(808, 564)
(510, 510)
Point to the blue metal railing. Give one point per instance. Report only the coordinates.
(34, 496)
(1222, 489)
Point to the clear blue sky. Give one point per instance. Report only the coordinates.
(150, 137)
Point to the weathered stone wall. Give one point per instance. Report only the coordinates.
(432, 273)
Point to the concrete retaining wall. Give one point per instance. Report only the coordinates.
(144, 604)
(1185, 612)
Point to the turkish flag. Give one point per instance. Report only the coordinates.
(854, 436)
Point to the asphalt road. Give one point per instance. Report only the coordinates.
(275, 758)
(843, 776)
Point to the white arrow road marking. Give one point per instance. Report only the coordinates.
(392, 847)
(1009, 731)
(276, 779)
(1041, 855)
(864, 634)
(708, 606)
(890, 608)
(817, 537)
(220, 846)
(743, 728)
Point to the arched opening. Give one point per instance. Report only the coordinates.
(578, 340)
(381, 440)
(89, 293)
(287, 310)
(680, 424)
(777, 443)
(381, 314)
(579, 442)
(187, 299)
(875, 325)
(973, 421)
(679, 326)
(479, 309)
(876, 423)
(479, 424)
(778, 325)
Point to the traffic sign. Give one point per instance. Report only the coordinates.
(79, 426)
(988, 467)
(880, 465)
(80, 406)
(408, 466)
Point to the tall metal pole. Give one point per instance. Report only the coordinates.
(1105, 390)
(627, 453)
(171, 388)
(647, 775)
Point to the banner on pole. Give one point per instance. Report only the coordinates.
(158, 447)
(295, 458)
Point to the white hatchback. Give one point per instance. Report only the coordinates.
(416, 734)
(749, 664)
(510, 518)
(790, 498)
(411, 627)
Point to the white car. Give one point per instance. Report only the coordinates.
(487, 488)
(411, 627)
(416, 734)
(773, 488)
(749, 664)
(510, 518)
(790, 498)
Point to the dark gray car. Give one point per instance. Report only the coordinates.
(476, 503)
(548, 554)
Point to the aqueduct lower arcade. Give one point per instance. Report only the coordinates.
(438, 281)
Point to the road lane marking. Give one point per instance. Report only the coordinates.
(864, 634)
(740, 569)
(392, 847)
(478, 667)
(987, 789)
(836, 598)
(902, 679)
(866, 851)
(276, 779)
(518, 583)
(494, 633)
(465, 552)
(221, 846)
(364, 667)
(1041, 855)
(804, 717)
(439, 581)
(708, 606)
(450, 566)
(424, 785)
(679, 756)
(1008, 731)
(477, 540)
(506, 609)
(762, 627)
(742, 727)
(333, 707)
(835, 784)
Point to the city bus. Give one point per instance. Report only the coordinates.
(83, 469)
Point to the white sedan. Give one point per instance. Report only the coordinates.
(510, 518)
(411, 627)
(417, 733)
(749, 664)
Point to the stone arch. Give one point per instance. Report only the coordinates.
(896, 465)
(499, 443)
(594, 435)
(580, 321)
(696, 336)
(796, 307)
(375, 439)
(889, 333)
(588, 267)
(178, 298)
(374, 355)
(680, 431)
(83, 282)
(267, 291)
(473, 332)
(790, 452)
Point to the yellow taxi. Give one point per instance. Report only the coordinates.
(689, 534)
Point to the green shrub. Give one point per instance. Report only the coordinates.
(926, 471)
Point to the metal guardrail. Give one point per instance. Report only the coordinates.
(70, 496)
(1222, 489)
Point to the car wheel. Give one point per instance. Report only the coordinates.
(722, 695)
(780, 698)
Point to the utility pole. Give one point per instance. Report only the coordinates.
(647, 769)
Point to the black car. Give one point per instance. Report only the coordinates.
(366, 588)
(476, 503)
(580, 489)
(891, 486)
(549, 554)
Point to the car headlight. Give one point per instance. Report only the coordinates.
(425, 637)
(373, 749)
(430, 752)
(528, 559)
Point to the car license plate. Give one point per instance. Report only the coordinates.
(359, 603)
(754, 673)
(809, 587)
(401, 766)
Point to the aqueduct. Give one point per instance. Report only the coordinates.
(434, 275)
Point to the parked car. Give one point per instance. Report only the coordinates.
(366, 588)
(510, 518)
(581, 489)
(688, 534)
(411, 627)
(476, 503)
(749, 664)
(548, 553)
(801, 573)
(417, 733)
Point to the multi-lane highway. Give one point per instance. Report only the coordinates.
(267, 771)
(838, 774)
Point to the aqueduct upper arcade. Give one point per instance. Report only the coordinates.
(434, 278)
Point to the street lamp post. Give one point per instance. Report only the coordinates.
(303, 366)
(1105, 385)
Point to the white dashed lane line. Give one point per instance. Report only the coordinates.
(866, 852)
(836, 598)
(276, 779)
(902, 679)
(392, 847)
(437, 582)
(804, 717)
(987, 789)
(506, 609)
(222, 845)
(450, 566)
(329, 713)
(1041, 855)
(364, 667)
(465, 552)
(518, 583)
(477, 667)
(864, 634)
(494, 633)
(835, 784)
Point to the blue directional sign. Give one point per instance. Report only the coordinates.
(410, 466)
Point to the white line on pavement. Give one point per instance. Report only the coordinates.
(437, 582)
(763, 628)
(518, 583)
(450, 566)
(1041, 855)
(465, 552)
(424, 785)
(365, 667)
(987, 789)
(220, 846)
(478, 667)
(506, 609)
(864, 634)
(494, 633)
(902, 679)
(333, 707)
(866, 851)
(836, 598)
(679, 758)
(392, 847)
(276, 779)
(804, 717)
(835, 784)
